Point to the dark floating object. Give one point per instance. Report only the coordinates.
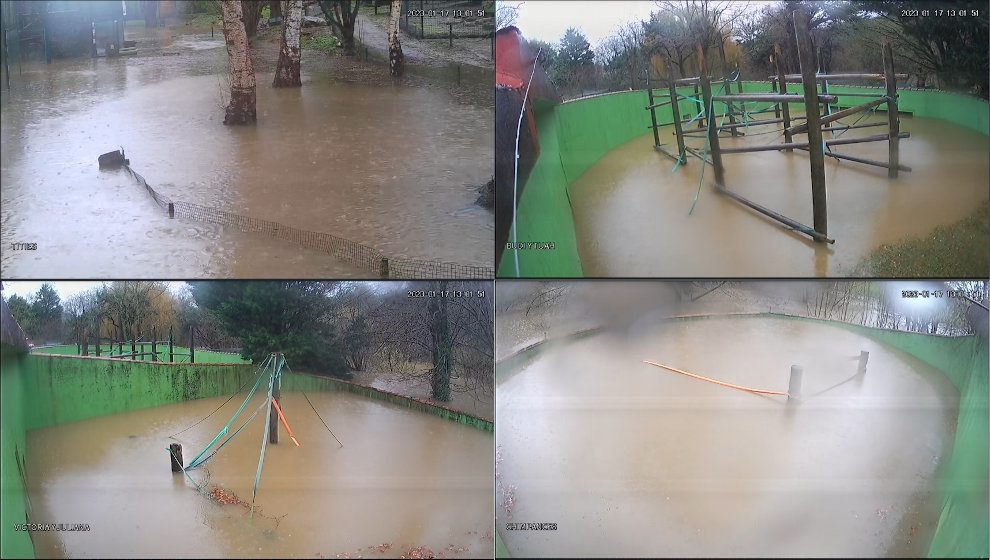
(113, 160)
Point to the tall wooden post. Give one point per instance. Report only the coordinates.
(816, 149)
(794, 386)
(782, 82)
(273, 416)
(706, 92)
(864, 357)
(175, 453)
(98, 343)
(653, 117)
(697, 94)
(171, 346)
(676, 112)
(773, 88)
(133, 349)
(192, 345)
(894, 145)
(154, 344)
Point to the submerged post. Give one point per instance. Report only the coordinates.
(864, 357)
(894, 146)
(676, 111)
(794, 387)
(697, 94)
(783, 107)
(175, 453)
(706, 92)
(273, 414)
(816, 148)
(171, 346)
(653, 116)
(192, 345)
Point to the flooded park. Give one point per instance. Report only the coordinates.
(398, 480)
(390, 164)
(677, 429)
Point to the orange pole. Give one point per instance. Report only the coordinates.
(718, 382)
(280, 415)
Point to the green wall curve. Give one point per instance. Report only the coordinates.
(576, 134)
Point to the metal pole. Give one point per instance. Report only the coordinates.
(816, 150)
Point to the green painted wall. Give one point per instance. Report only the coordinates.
(13, 443)
(180, 353)
(575, 135)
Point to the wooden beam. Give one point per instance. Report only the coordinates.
(785, 109)
(676, 110)
(664, 151)
(784, 98)
(757, 122)
(655, 105)
(862, 160)
(806, 55)
(836, 142)
(797, 226)
(894, 148)
(653, 118)
(798, 78)
(695, 153)
(803, 127)
(706, 92)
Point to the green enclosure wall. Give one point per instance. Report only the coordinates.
(39, 390)
(574, 135)
(964, 484)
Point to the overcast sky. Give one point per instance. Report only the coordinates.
(65, 289)
(547, 20)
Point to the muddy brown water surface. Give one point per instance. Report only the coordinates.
(633, 460)
(632, 213)
(384, 163)
(402, 478)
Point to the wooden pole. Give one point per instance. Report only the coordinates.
(794, 386)
(192, 345)
(894, 147)
(783, 90)
(653, 117)
(836, 142)
(803, 127)
(806, 54)
(175, 456)
(706, 92)
(862, 160)
(154, 344)
(273, 415)
(676, 110)
(697, 95)
(793, 224)
(728, 106)
(789, 98)
(98, 343)
(171, 346)
(799, 78)
(773, 88)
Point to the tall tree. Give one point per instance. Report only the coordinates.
(287, 71)
(395, 57)
(252, 16)
(342, 16)
(442, 347)
(242, 108)
(289, 317)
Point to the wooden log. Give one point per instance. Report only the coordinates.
(273, 416)
(858, 159)
(784, 108)
(728, 104)
(806, 55)
(843, 127)
(675, 108)
(758, 122)
(171, 346)
(794, 224)
(894, 147)
(706, 92)
(783, 98)
(653, 118)
(803, 127)
(653, 105)
(175, 456)
(698, 155)
(835, 142)
(192, 345)
(798, 78)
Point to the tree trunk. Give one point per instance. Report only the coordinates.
(442, 345)
(287, 71)
(242, 107)
(276, 12)
(149, 9)
(252, 15)
(395, 57)
(342, 15)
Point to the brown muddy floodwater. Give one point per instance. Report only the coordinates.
(632, 217)
(403, 478)
(382, 163)
(632, 460)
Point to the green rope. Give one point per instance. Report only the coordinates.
(232, 436)
(196, 462)
(277, 370)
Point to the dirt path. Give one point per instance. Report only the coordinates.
(426, 52)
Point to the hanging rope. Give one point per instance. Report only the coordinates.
(724, 384)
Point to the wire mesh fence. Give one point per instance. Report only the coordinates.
(352, 252)
(442, 19)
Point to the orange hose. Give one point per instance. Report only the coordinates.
(785, 393)
(280, 415)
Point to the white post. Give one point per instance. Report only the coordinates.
(794, 388)
(864, 357)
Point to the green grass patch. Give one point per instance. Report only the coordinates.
(320, 43)
(181, 353)
(957, 250)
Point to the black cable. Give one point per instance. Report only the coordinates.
(215, 411)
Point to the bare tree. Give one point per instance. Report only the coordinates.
(395, 57)
(242, 108)
(342, 15)
(287, 71)
(506, 14)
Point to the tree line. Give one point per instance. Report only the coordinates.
(949, 53)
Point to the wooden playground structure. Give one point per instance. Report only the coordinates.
(819, 118)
